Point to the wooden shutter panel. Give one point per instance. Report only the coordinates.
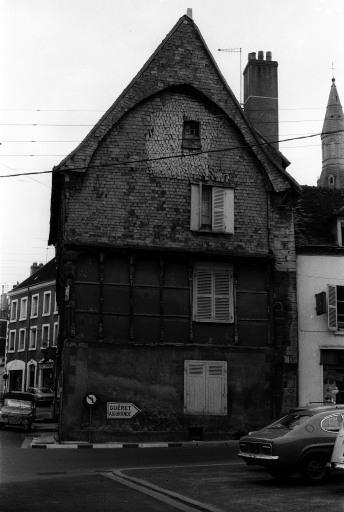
(223, 295)
(195, 208)
(194, 387)
(229, 210)
(218, 218)
(216, 387)
(204, 291)
(332, 308)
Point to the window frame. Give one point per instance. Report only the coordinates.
(191, 141)
(222, 209)
(21, 316)
(55, 305)
(12, 334)
(340, 231)
(47, 328)
(332, 308)
(45, 295)
(55, 334)
(14, 310)
(33, 329)
(21, 331)
(197, 297)
(34, 300)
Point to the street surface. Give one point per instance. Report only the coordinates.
(209, 478)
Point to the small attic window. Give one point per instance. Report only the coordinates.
(331, 181)
(340, 231)
(191, 135)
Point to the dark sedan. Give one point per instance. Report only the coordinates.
(302, 441)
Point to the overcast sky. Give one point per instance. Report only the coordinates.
(66, 61)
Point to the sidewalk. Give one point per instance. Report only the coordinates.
(48, 440)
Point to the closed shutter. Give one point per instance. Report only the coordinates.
(194, 387)
(332, 308)
(195, 208)
(216, 388)
(203, 294)
(218, 223)
(205, 387)
(223, 295)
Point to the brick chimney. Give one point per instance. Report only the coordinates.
(261, 95)
(34, 267)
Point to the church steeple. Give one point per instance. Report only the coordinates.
(332, 138)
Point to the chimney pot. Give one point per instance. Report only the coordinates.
(189, 12)
(252, 56)
(260, 55)
(268, 56)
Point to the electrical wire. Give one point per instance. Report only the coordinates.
(179, 155)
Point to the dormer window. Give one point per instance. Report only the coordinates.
(191, 135)
(340, 231)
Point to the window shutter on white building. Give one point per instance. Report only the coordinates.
(332, 308)
(205, 387)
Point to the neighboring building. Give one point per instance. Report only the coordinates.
(332, 138)
(173, 224)
(4, 315)
(320, 269)
(320, 282)
(32, 330)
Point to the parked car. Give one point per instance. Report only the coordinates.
(302, 441)
(18, 409)
(43, 395)
(337, 457)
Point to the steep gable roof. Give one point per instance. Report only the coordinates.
(182, 58)
(315, 214)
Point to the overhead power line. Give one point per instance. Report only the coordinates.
(178, 155)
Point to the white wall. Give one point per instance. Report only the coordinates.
(314, 273)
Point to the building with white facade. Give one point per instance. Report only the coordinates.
(32, 330)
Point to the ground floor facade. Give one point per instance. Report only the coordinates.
(168, 346)
(21, 374)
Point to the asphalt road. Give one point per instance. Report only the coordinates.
(149, 479)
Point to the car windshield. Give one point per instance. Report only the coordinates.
(290, 421)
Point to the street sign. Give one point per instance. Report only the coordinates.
(121, 410)
(91, 399)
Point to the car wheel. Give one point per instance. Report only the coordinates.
(314, 468)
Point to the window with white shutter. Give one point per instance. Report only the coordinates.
(335, 307)
(205, 387)
(213, 294)
(212, 209)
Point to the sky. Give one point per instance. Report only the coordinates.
(64, 62)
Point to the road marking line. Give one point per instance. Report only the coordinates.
(171, 498)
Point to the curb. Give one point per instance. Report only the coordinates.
(53, 444)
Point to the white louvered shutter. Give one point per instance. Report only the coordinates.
(332, 308)
(218, 219)
(216, 387)
(195, 208)
(194, 387)
(223, 295)
(203, 286)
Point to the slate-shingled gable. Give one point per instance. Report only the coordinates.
(180, 60)
(314, 217)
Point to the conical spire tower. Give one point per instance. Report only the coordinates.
(332, 138)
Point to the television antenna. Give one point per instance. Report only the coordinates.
(239, 51)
